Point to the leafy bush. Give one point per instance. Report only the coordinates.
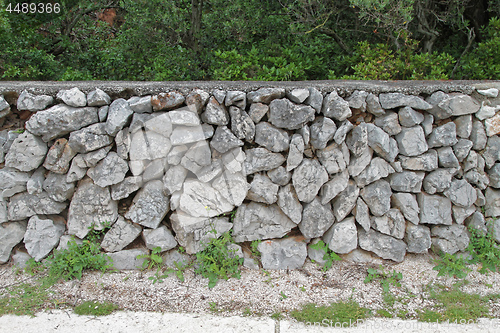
(484, 250)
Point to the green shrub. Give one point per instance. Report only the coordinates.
(452, 265)
(484, 250)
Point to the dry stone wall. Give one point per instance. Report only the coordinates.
(379, 170)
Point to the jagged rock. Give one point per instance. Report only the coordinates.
(407, 181)
(461, 193)
(197, 99)
(128, 259)
(126, 187)
(285, 114)
(358, 100)
(444, 135)
(306, 134)
(395, 100)
(315, 99)
(479, 179)
(173, 258)
(336, 107)
(494, 175)
(492, 125)
(33, 103)
(224, 140)
(447, 158)
(184, 117)
(149, 145)
(471, 161)
(215, 113)
(491, 92)
(103, 113)
(289, 203)
(153, 170)
(389, 123)
(174, 179)
(59, 156)
(150, 205)
(486, 111)
(316, 219)
(308, 178)
(362, 214)
(481, 200)
(417, 238)
(334, 158)
(345, 127)
(233, 160)
(272, 138)
(20, 259)
(462, 149)
(377, 169)
(434, 209)
(24, 205)
(408, 205)
(97, 97)
(358, 163)
(322, 131)
(438, 180)
(373, 105)
(123, 140)
(316, 255)
(492, 206)
(438, 112)
(266, 95)
(288, 253)
(357, 140)
(4, 213)
(449, 239)
(91, 204)
(77, 171)
(208, 130)
(295, 152)
(60, 120)
(57, 188)
(160, 237)
(261, 159)
(334, 186)
(411, 141)
(258, 221)
(91, 159)
(121, 234)
(492, 152)
(205, 174)
(167, 101)
(109, 171)
(202, 200)
(379, 141)
(194, 233)
(12, 181)
(391, 223)
(42, 235)
(427, 123)
(119, 115)
(409, 117)
(26, 153)
(342, 237)
(378, 197)
(382, 245)
(464, 126)
(262, 189)
(258, 111)
(477, 222)
(461, 213)
(10, 235)
(197, 157)
(89, 138)
(425, 162)
(232, 186)
(345, 201)
(297, 95)
(236, 98)
(478, 135)
(140, 104)
(72, 97)
(458, 105)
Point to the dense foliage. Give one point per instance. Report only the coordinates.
(250, 40)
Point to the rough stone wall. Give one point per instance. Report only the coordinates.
(387, 168)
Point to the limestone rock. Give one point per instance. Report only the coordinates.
(334, 186)
(72, 97)
(395, 100)
(336, 107)
(358, 100)
(57, 188)
(418, 238)
(316, 219)
(197, 157)
(121, 234)
(12, 181)
(478, 135)
(407, 181)
(377, 169)
(345, 127)
(358, 163)
(408, 205)
(298, 95)
(308, 178)
(272, 138)
(492, 206)
(128, 259)
(285, 114)
(11, 234)
(444, 135)
(160, 237)
(357, 140)
(382, 245)
(409, 117)
(266, 95)
(411, 141)
(434, 209)
(295, 153)
(42, 235)
(241, 124)
(232, 186)
(89, 138)
(391, 223)
(462, 149)
(289, 203)
(464, 126)
(202, 200)
(378, 197)
(491, 92)
(119, 115)
(26, 153)
(447, 158)
(262, 189)
(486, 111)
(373, 105)
(215, 113)
(425, 162)
(342, 237)
(492, 125)
(109, 171)
(362, 215)
(24, 205)
(288, 253)
(315, 99)
(149, 145)
(427, 123)
(167, 101)
(469, 216)
(258, 111)
(449, 239)
(33, 103)
(59, 156)
(438, 180)
(461, 193)
(345, 201)
(279, 176)
(492, 152)
(236, 98)
(380, 142)
(150, 205)
(494, 175)
(334, 158)
(459, 104)
(389, 123)
(322, 131)
(261, 159)
(98, 97)
(224, 140)
(126, 187)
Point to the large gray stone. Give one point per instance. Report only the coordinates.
(215, 113)
(279, 176)
(345, 201)
(4, 213)
(492, 206)
(121, 234)
(444, 135)
(411, 141)
(261, 159)
(478, 179)
(119, 115)
(373, 105)
(342, 237)
(255, 221)
(336, 107)
(384, 246)
(57, 188)
(194, 233)
(197, 156)
(266, 95)
(285, 114)
(377, 169)
(335, 158)
(378, 197)
(357, 140)
(109, 171)
(407, 181)
(59, 157)
(345, 127)
(492, 152)
(35, 183)
(72, 97)
(10, 235)
(417, 238)
(391, 223)
(33, 103)
(289, 203)
(447, 158)
(322, 131)
(358, 163)
(478, 135)
(167, 101)
(272, 138)
(202, 200)
(26, 153)
(295, 153)
(380, 142)
(434, 209)
(409, 117)
(362, 214)
(425, 162)
(60, 120)
(308, 178)
(128, 259)
(438, 180)
(461, 193)
(494, 175)
(241, 124)
(288, 253)
(407, 204)
(224, 140)
(462, 149)
(449, 239)
(464, 126)
(395, 100)
(12, 181)
(140, 104)
(477, 222)
(42, 235)
(160, 237)
(262, 189)
(358, 100)
(389, 123)
(316, 219)
(427, 123)
(315, 99)
(232, 186)
(258, 111)
(98, 97)
(334, 186)
(459, 104)
(24, 205)
(298, 95)
(236, 98)
(126, 187)
(150, 205)
(148, 145)
(91, 206)
(184, 117)
(461, 213)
